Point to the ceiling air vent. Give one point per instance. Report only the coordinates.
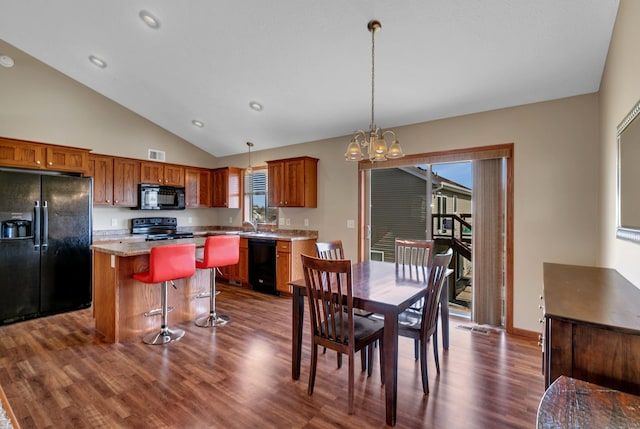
(156, 155)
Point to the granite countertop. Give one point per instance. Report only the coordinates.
(131, 244)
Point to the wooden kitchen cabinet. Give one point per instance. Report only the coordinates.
(25, 154)
(15, 153)
(197, 184)
(62, 158)
(226, 187)
(126, 177)
(289, 263)
(239, 272)
(293, 182)
(115, 180)
(164, 174)
(101, 169)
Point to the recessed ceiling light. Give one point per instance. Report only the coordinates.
(6, 61)
(197, 123)
(255, 106)
(97, 61)
(149, 19)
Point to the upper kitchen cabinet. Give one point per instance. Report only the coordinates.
(197, 184)
(25, 154)
(227, 187)
(115, 180)
(166, 174)
(101, 169)
(61, 158)
(293, 182)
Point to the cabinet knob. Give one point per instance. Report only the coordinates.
(116, 201)
(50, 163)
(38, 162)
(107, 201)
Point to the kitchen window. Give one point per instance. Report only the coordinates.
(256, 203)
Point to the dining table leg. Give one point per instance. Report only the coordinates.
(390, 353)
(297, 307)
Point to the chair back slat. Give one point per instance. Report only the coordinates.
(327, 281)
(437, 274)
(330, 249)
(414, 257)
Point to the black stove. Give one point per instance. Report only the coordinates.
(158, 228)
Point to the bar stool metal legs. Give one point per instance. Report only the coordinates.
(213, 319)
(165, 335)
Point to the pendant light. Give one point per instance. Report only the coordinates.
(375, 138)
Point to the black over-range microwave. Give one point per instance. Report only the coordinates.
(159, 197)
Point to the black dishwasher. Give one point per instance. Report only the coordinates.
(262, 265)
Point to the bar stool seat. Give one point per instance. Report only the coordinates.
(167, 263)
(219, 251)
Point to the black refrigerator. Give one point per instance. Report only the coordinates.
(45, 239)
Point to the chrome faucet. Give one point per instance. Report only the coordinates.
(254, 226)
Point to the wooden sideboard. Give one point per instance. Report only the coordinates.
(592, 327)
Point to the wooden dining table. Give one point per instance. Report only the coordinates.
(378, 288)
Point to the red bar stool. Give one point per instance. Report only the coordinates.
(168, 263)
(219, 251)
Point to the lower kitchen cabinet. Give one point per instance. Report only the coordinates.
(288, 262)
(239, 272)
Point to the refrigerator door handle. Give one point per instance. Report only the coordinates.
(36, 226)
(45, 225)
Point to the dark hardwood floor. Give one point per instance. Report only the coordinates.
(58, 373)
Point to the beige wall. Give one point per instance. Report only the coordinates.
(619, 91)
(556, 166)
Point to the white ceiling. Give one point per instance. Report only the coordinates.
(308, 62)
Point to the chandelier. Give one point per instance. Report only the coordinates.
(375, 139)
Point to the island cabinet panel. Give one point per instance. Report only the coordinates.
(197, 183)
(592, 329)
(293, 182)
(227, 187)
(120, 301)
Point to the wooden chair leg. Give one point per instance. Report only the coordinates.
(423, 367)
(312, 371)
(435, 351)
(351, 381)
(381, 348)
(363, 359)
(339, 359)
(416, 349)
(370, 359)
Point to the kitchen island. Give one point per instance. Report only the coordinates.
(120, 302)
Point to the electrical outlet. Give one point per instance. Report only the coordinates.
(189, 220)
(230, 219)
(288, 221)
(281, 221)
(351, 223)
(114, 221)
(306, 222)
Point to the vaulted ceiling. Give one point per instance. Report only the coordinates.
(308, 63)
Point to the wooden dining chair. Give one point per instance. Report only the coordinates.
(330, 249)
(333, 324)
(424, 325)
(333, 250)
(413, 259)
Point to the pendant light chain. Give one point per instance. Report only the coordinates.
(373, 74)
